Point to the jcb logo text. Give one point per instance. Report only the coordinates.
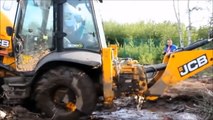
(193, 65)
(4, 43)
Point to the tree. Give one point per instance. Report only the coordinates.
(177, 15)
(211, 23)
(190, 23)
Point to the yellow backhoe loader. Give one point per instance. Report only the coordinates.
(61, 64)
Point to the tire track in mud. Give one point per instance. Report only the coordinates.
(175, 104)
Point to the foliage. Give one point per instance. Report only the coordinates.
(203, 32)
(145, 41)
(145, 53)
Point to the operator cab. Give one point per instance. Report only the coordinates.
(47, 26)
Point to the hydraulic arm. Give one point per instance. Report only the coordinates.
(181, 65)
(127, 76)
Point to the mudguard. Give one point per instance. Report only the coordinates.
(81, 57)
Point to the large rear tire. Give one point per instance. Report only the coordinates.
(61, 86)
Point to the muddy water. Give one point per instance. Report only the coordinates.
(163, 109)
(174, 105)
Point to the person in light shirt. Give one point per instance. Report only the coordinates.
(73, 24)
(78, 25)
(170, 47)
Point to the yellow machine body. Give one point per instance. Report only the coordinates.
(5, 41)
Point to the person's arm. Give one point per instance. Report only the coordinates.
(174, 48)
(164, 51)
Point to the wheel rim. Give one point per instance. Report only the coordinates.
(64, 99)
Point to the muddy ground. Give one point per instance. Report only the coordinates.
(177, 103)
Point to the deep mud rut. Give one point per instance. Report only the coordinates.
(175, 104)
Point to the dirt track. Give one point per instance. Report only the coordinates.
(175, 104)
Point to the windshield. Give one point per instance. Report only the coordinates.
(37, 28)
(34, 35)
(79, 25)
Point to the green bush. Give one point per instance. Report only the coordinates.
(145, 41)
(145, 53)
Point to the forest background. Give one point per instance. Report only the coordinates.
(145, 41)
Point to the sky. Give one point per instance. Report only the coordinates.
(8, 8)
(130, 11)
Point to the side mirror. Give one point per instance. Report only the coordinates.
(9, 30)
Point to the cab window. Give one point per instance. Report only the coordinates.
(79, 26)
